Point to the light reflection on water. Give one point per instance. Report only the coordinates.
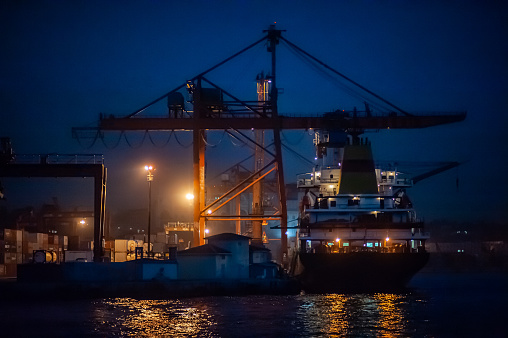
(374, 315)
(439, 305)
(131, 317)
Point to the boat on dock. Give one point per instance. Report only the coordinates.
(358, 230)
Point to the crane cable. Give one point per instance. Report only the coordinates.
(346, 78)
(164, 144)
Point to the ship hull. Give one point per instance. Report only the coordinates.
(359, 271)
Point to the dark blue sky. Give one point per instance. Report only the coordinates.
(64, 62)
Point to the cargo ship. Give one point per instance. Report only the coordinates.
(358, 230)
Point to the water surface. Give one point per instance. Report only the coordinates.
(435, 305)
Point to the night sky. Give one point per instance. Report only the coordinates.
(64, 62)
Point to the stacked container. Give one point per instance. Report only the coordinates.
(12, 251)
(120, 253)
(18, 246)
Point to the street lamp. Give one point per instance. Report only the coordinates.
(149, 178)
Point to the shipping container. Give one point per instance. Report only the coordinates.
(28, 247)
(160, 238)
(11, 270)
(121, 245)
(74, 243)
(159, 247)
(10, 258)
(138, 237)
(12, 235)
(109, 244)
(79, 256)
(120, 256)
(53, 239)
(10, 247)
(31, 237)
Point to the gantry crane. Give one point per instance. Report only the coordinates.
(62, 165)
(214, 108)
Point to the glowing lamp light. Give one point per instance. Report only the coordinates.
(189, 196)
(387, 239)
(337, 240)
(209, 211)
(82, 222)
(148, 167)
(207, 231)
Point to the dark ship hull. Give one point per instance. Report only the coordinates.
(359, 271)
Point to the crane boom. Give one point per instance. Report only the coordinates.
(436, 171)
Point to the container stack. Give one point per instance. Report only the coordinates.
(160, 245)
(18, 246)
(120, 253)
(12, 251)
(2, 254)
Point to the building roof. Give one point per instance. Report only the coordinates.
(228, 236)
(253, 248)
(207, 249)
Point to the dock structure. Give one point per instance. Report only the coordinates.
(65, 165)
(212, 107)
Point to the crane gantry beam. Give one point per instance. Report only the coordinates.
(281, 122)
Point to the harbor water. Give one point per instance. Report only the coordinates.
(434, 305)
